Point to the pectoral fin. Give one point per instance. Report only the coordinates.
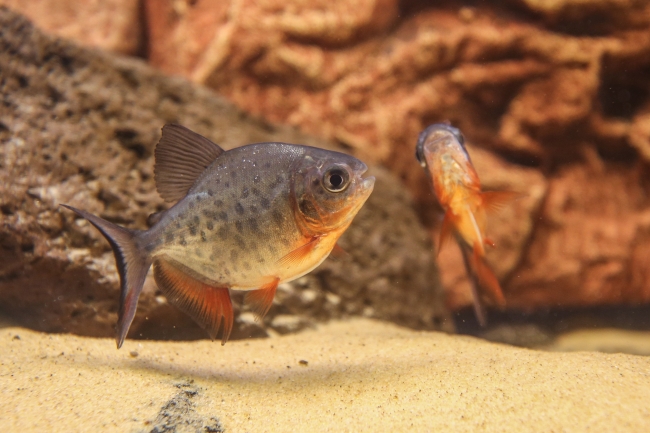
(295, 257)
(339, 252)
(206, 304)
(494, 201)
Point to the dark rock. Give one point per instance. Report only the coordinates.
(79, 127)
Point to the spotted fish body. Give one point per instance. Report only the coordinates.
(441, 152)
(235, 237)
(245, 219)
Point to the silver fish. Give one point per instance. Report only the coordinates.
(244, 219)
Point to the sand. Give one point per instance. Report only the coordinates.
(358, 375)
(610, 340)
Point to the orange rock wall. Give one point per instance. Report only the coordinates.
(113, 25)
(553, 98)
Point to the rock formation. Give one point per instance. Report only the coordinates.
(113, 25)
(553, 97)
(557, 92)
(79, 127)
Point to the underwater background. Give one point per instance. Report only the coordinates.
(553, 99)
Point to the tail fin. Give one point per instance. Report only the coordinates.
(132, 264)
(487, 279)
(479, 310)
(483, 280)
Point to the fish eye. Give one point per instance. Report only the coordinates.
(336, 179)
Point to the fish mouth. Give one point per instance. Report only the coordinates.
(361, 169)
(368, 183)
(364, 189)
(436, 139)
(441, 130)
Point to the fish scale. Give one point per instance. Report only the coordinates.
(229, 237)
(244, 219)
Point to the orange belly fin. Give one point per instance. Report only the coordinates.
(295, 257)
(206, 304)
(495, 201)
(446, 231)
(487, 279)
(260, 300)
(339, 252)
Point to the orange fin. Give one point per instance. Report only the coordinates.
(261, 299)
(299, 254)
(479, 311)
(487, 279)
(490, 242)
(446, 231)
(495, 201)
(339, 252)
(206, 304)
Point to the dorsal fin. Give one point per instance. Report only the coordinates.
(181, 156)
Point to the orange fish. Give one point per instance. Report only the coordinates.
(441, 152)
(244, 219)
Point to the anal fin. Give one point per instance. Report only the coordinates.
(261, 299)
(206, 304)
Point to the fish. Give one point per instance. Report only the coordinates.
(244, 219)
(441, 152)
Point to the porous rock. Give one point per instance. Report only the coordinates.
(79, 127)
(557, 91)
(112, 25)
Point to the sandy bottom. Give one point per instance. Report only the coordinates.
(608, 340)
(354, 376)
